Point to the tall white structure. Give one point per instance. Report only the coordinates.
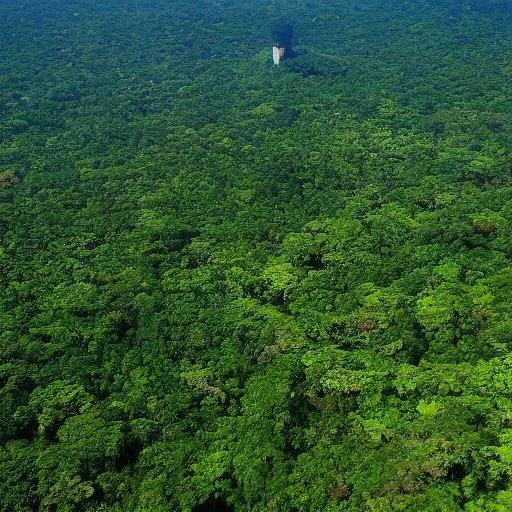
(277, 54)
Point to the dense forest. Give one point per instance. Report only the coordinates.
(230, 286)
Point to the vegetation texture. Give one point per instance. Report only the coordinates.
(232, 286)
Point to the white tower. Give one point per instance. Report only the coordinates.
(277, 54)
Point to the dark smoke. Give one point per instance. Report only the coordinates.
(282, 33)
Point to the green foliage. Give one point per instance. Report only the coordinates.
(228, 285)
(314, 64)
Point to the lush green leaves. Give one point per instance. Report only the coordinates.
(228, 285)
